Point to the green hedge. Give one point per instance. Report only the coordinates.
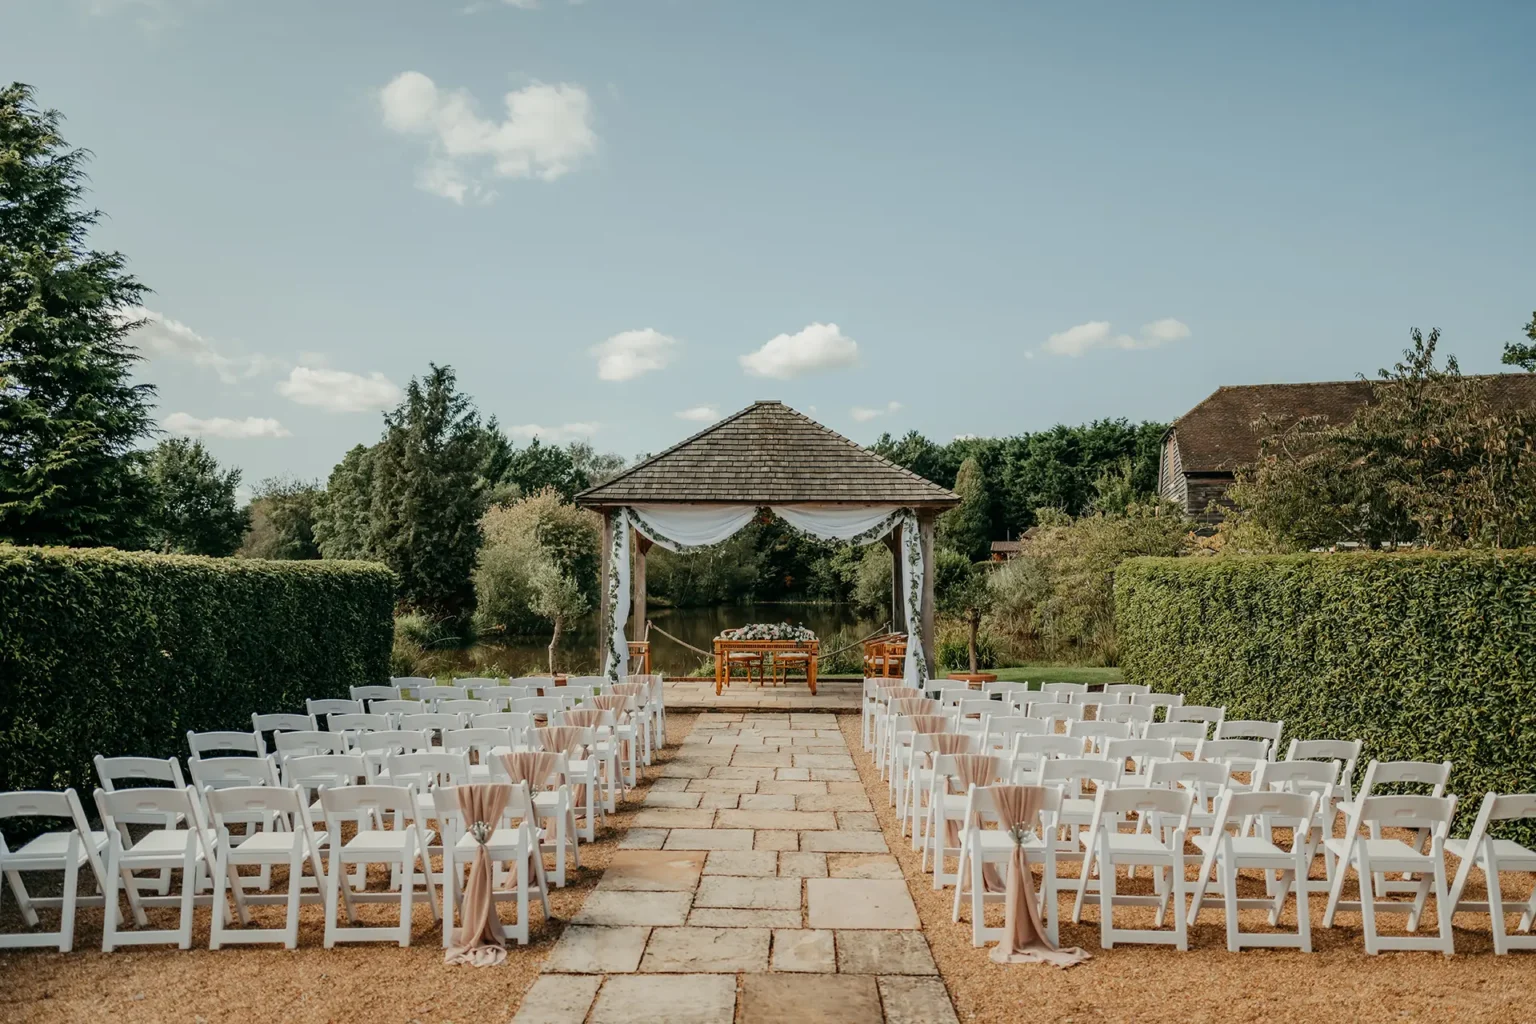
(114, 653)
(1423, 656)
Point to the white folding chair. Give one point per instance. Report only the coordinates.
(1492, 856)
(65, 851)
(1077, 688)
(161, 849)
(946, 805)
(1414, 775)
(1142, 755)
(1161, 848)
(378, 747)
(998, 731)
(517, 843)
(501, 697)
(307, 744)
(981, 845)
(1121, 693)
(1421, 815)
(367, 693)
(356, 723)
(1204, 714)
(433, 694)
(1243, 837)
(583, 773)
(911, 808)
(1138, 718)
(114, 772)
(1186, 736)
(407, 686)
(1242, 757)
(515, 723)
(400, 848)
(261, 724)
(1204, 781)
(466, 707)
(238, 743)
(538, 707)
(1096, 734)
(1078, 808)
(292, 843)
(317, 708)
(552, 803)
(1153, 701)
(395, 706)
(1346, 753)
(1250, 729)
(1030, 751)
(477, 746)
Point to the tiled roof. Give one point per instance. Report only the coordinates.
(1220, 434)
(768, 454)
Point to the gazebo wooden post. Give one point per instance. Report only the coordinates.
(642, 545)
(925, 521)
(898, 583)
(602, 590)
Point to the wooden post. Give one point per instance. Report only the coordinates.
(642, 545)
(602, 590)
(898, 582)
(925, 521)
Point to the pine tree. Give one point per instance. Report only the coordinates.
(966, 528)
(70, 419)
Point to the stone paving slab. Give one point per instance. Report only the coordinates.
(755, 886)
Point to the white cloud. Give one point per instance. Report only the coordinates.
(699, 414)
(338, 390)
(564, 432)
(629, 354)
(160, 337)
(862, 414)
(1074, 341)
(546, 133)
(817, 347)
(219, 426)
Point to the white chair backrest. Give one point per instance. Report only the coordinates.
(944, 768)
(333, 707)
(595, 682)
(445, 804)
(1157, 700)
(1097, 734)
(1071, 772)
(478, 740)
(1060, 712)
(1121, 693)
(1144, 752)
(245, 804)
(467, 706)
(397, 706)
(375, 693)
(1243, 813)
(113, 772)
(1130, 714)
(358, 723)
(437, 693)
(1144, 802)
(976, 708)
(515, 721)
(540, 706)
(433, 721)
(427, 770)
(999, 729)
(1346, 752)
(1191, 731)
(223, 772)
(147, 803)
(409, 685)
(1044, 746)
(1063, 687)
(281, 723)
(951, 696)
(205, 743)
(1197, 713)
(544, 683)
(36, 804)
(475, 682)
(305, 744)
(1248, 729)
(1406, 773)
(317, 770)
(981, 808)
(378, 747)
(1297, 777)
(501, 696)
(1205, 779)
(369, 806)
(1004, 686)
(1228, 751)
(1407, 812)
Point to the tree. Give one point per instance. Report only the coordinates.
(527, 544)
(71, 471)
(962, 588)
(967, 527)
(1523, 354)
(557, 597)
(283, 513)
(428, 494)
(194, 510)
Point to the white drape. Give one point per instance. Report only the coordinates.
(689, 527)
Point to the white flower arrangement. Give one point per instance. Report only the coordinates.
(768, 631)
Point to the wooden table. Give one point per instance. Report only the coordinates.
(640, 649)
(767, 648)
(885, 657)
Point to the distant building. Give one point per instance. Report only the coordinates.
(1003, 550)
(1203, 449)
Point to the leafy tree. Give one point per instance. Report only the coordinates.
(527, 545)
(962, 588)
(194, 510)
(1523, 354)
(428, 494)
(343, 511)
(71, 471)
(283, 513)
(967, 527)
(558, 597)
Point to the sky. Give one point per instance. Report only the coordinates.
(620, 219)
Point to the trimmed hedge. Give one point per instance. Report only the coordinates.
(114, 653)
(1425, 656)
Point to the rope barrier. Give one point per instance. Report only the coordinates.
(710, 654)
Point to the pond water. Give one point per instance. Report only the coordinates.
(698, 626)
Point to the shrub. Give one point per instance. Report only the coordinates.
(1424, 656)
(106, 652)
(952, 648)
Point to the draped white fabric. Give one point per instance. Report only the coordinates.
(836, 522)
(689, 527)
(686, 527)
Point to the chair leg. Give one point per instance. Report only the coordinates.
(1367, 903)
(112, 915)
(67, 908)
(1106, 901)
(188, 893)
(295, 874)
(19, 890)
(219, 909)
(1228, 872)
(1443, 907)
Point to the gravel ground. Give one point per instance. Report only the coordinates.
(366, 981)
(1157, 984)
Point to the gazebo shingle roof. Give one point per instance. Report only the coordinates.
(768, 454)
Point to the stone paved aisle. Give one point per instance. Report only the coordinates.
(755, 886)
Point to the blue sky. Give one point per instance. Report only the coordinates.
(609, 213)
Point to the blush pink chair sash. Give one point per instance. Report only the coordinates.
(973, 770)
(929, 725)
(583, 718)
(560, 739)
(479, 940)
(1024, 938)
(898, 692)
(530, 766)
(630, 689)
(915, 706)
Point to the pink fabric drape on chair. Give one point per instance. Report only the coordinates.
(914, 706)
(972, 770)
(565, 739)
(929, 725)
(1024, 937)
(582, 718)
(479, 940)
(898, 692)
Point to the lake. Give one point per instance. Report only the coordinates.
(577, 652)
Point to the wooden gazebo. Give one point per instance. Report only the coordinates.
(769, 455)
